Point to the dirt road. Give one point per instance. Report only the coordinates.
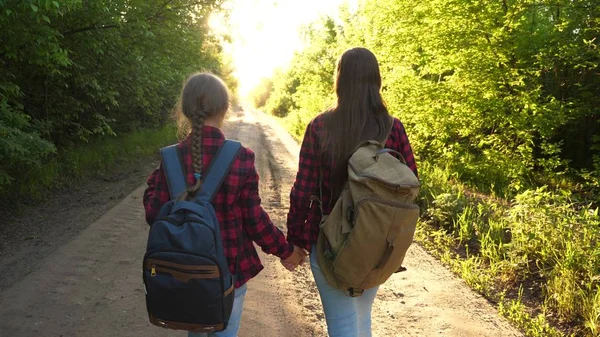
(90, 284)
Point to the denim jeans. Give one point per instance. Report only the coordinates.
(234, 321)
(345, 316)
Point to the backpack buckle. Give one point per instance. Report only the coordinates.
(353, 292)
(350, 214)
(328, 254)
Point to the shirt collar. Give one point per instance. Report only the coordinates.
(208, 132)
(212, 132)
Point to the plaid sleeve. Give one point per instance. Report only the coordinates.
(156, 194)
(256, 222)
(305, 186)
(406, 149)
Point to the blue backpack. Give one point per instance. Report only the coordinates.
(186, 276)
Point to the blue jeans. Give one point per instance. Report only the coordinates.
(234, 321)
(345, 316)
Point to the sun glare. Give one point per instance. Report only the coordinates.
(264, 34)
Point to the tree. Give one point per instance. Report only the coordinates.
(74, 70)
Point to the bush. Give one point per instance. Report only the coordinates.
(74, 71)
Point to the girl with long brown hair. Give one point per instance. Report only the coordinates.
(330, 139)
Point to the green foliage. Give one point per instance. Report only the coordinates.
(260, 94)
(307, 86)
(280, 102)
(535, 326)
(561, 237)
(18, 146)
(500, 100)
(543, 238)
(500, 92)
(81, 161)
(72, 71)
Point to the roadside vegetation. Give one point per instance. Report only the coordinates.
(500, 101)
(86, 83)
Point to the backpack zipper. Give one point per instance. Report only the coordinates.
(385, 202)
(398, 187)
(187, 219)
(186, 253)
(156, 264)
(161, 266)
(380, 201)
(182, 274)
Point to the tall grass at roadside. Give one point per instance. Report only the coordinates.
(535, 251)
(543, 241)
(82, 161)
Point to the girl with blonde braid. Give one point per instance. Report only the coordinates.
(202, 107)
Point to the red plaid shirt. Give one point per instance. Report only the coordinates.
(304, 216)
(237, 205)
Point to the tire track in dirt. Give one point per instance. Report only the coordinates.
(273, 302)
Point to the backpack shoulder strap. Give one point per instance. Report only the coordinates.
(389, 132)
(171, 163)
(218, 170)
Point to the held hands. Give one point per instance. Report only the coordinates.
(297, 258)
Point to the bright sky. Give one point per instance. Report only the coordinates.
(265, 33)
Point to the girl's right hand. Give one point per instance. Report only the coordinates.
(297, 258)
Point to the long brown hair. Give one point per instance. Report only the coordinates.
(360, 113)
(204, 95)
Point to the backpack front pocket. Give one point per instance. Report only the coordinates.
(189, 291)
(183, 273)
(383, 232)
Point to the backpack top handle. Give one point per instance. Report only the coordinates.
(382, 151)
(217, 171)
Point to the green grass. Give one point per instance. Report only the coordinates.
(533, 250)
(77, 163)
(542, 240)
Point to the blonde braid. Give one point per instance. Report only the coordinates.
(204, 95)
(197, 124)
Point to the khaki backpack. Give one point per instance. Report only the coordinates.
(371, 226)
